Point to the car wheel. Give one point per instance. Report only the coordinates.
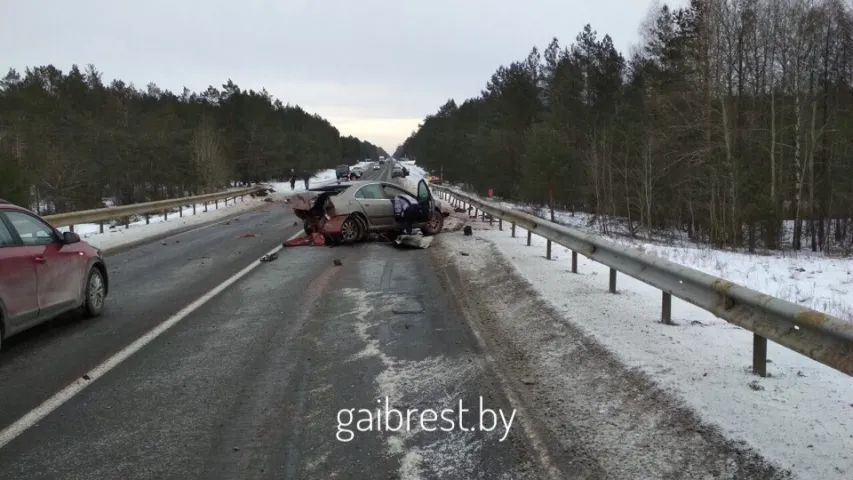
(433, 227)
(351, 231)
(96, 291)
(364, 227)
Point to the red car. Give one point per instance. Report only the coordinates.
(44, 272)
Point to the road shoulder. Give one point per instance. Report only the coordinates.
(605, 420)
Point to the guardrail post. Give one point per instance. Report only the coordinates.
(548, 250)
(759, 355)
(70, 228)
(165, 215)
(205, 206)
(574, 261)
(484, 216)
(147, 219)
(513, 230)
(612, 280)
(101, 227)
(193, 209)
(181, 211)
(491, 220)
(217, 204)
(528, 237)
(666, 308)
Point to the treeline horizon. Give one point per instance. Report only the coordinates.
(729, 119)
(68, 140)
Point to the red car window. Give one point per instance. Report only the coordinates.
(32, 231)
(6, 238)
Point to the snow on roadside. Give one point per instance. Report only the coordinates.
(139, 230)
(158, 225)
(318, 179)
(801, 417)
(815, 281)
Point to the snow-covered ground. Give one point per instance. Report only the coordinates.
(800, 417)
(114, 237)
(820, 282)
(158, 225)
(320, 178)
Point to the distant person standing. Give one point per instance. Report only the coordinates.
(306, 177)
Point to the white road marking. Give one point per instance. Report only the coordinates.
(34, 416)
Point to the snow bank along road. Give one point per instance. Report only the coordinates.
(265, 378)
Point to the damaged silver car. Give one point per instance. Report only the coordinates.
(348, 212)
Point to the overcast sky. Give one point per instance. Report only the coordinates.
(374, 68)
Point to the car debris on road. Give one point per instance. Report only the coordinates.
(313, 240)
(269, 257)
(413, 241)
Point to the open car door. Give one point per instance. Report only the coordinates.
(425, 201)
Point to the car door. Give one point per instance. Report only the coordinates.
(18, 282)
(376, 205)
(425, 200)
(59, 267)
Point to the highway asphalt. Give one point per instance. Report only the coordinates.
(252, 383)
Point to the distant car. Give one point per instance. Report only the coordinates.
(45, 273)
(347, 212)
(376, 167)
(357, 172)
(342, 171)
(381, 162)
(398, 172)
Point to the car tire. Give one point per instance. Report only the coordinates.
(435, 224)
(351, 231)
(364, 227)
(95, 296)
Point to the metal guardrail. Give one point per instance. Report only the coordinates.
(101, 215)
(822, 337)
